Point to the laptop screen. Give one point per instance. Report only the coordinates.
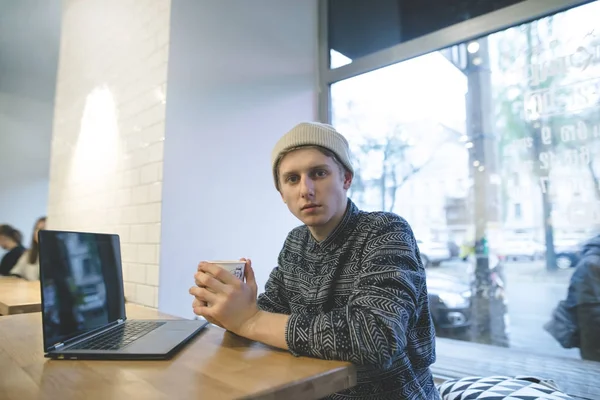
(81, 281)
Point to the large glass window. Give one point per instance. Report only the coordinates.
(491, 150)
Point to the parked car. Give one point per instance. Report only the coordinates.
(568, 252)
(433, 253)
(450, 298)
(449, 302)
(519, 249)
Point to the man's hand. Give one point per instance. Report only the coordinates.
(223, 299)
(197, 303)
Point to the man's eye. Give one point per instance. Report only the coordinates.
(292, 179)
(321, 173)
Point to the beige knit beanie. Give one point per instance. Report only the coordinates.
(312, 134)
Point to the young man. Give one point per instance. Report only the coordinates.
(349, 284)
(583, 300)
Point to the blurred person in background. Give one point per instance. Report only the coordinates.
(28, 266)
(10, 240)
(584, 296)
(575, 321)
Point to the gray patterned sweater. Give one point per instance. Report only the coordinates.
(359, 296)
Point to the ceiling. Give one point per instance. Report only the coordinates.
(29, 44)
(29, 47)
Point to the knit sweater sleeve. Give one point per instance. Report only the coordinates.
(372, 328)
(274, 298)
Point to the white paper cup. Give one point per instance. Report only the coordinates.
(234, 267)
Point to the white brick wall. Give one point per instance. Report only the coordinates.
(109, 125)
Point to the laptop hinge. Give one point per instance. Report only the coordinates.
(87, 336)
(57, 346)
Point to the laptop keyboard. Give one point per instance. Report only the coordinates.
(118, 337)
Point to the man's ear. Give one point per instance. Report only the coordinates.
(347, 179)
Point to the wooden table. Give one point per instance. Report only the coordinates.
(215, 365)
(19, 296)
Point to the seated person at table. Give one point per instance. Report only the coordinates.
(10, 240)
(28, 266)
(349, 284)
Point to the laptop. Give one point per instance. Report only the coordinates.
(83, 304)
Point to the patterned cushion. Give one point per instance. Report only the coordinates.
(500, 387)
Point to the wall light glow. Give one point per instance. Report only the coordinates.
(97, 145)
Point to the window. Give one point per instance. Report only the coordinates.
(513, 132)
(361, 27)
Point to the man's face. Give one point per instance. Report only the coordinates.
(314, 187)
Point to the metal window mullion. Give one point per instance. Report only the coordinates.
(486, 24)
(324, 90)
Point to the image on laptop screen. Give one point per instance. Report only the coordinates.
(82, 285)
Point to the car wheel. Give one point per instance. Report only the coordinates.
(425, 261)
(564, 261)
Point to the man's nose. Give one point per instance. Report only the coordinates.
(307, 187)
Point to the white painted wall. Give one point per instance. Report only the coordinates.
(29, 41)
(23, 202)
(107, 144)
(25, 131)
(241, 73)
